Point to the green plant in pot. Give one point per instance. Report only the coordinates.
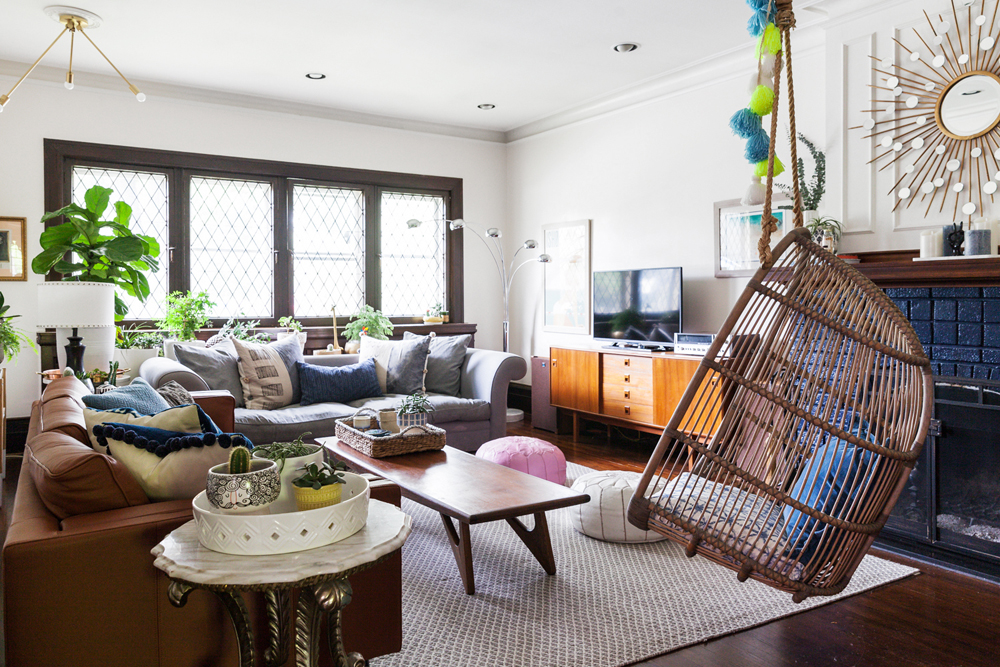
(186, 314)
(369, 321)
(133, 346)
(11, 338)
(414, 410)
(318, 485)
(290, 457)
(289, 323)
(87, 248)
(826, 232)
(240, 330)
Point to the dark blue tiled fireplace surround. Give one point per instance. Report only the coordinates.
(959, 327)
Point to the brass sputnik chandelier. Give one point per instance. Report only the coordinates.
(936, 112)
(74, 21)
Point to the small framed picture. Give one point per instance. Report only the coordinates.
(737, 229)
(13, 251)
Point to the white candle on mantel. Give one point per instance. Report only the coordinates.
(994, 228)
(931, 243)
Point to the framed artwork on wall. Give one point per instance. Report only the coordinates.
(737, 229)
(567, 277)
(13, 253)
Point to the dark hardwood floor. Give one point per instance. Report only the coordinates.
(938, 618)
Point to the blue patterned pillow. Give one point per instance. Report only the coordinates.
(338, 384)
(139, 396)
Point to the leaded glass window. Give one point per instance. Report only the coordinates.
(412, 258)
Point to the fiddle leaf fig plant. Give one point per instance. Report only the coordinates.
(89, 248)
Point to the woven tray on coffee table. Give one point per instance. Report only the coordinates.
(409, 440)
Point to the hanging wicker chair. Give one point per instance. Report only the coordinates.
(797, 433)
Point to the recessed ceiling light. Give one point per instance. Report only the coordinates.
(487, 107)
(315, 76)
(626, 47)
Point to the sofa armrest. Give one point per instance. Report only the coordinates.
(220, 406)
(159, 370)
(486, 375)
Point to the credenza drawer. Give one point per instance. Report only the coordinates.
(628, 392)
(628, 410)
(614, 365)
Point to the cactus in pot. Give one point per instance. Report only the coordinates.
(244, 484)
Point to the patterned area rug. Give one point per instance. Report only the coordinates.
(608, 604)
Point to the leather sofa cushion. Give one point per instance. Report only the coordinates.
(71, 478)
(65, 387)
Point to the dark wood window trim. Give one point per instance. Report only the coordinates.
(62, 156)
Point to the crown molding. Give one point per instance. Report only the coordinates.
(153, 90)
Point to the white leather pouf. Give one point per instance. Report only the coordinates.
(604, 517)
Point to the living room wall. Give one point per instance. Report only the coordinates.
(43, 110)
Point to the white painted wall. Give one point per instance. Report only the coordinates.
(647, 177)
(41, 110)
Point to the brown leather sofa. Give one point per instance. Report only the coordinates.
(79, 583)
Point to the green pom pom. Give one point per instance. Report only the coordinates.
(760, 169)
(762, 100)
(770, 41)
(239, 460)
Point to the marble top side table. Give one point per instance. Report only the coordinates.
(320, 573)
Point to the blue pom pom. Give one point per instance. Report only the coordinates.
(745, 123)
(118, 433)
(192, 441)
(756, 24)
(141, 442)
(758, 5)
(102, 441)
(208, 439)
(151, 446)
(225, 440)
(98, 430)
(757, 147)
(129, 437)
(162, 451)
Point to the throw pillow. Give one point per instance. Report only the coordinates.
(268, 373)
(218, 367)
(174, 394)
(400, 364)
(186, 418)
(168, 465)
(444, 363)
(139, 396)
(338, 384)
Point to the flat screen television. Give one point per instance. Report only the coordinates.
(641, 308)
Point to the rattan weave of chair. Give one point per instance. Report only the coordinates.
(798, 431)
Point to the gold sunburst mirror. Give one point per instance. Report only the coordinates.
(936, 112)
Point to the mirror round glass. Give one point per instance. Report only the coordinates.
(970, 107)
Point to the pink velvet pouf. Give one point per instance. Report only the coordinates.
(531, 455)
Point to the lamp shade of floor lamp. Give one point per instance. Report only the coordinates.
(80, 306)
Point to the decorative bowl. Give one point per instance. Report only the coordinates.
(258, 535)
(243, 492)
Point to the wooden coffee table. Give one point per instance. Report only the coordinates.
(470, 490)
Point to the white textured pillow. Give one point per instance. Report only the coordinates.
(179, 475)
(183, 418)
(266, 379)
(379, 350)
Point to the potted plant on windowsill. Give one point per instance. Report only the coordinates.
(414, 410)
(186, 313)
(133, 346)
(370, 322)
(290, 457)
(11, 338)
(434, 314)
(318, 485)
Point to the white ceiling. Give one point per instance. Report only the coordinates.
(430, 61)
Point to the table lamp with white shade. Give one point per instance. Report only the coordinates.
(73, 305)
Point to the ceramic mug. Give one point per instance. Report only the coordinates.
(243, 493)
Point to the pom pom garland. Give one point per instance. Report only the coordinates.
(759, 80)
(162, 451)
(118, 433)
(757, 147)
(209, 439)
(770, 41)
(762, 100)
(225, 440)
(745, 123)
(760, 169)
(129, 437)
(755, 193)
(757, 24)
(767, 65)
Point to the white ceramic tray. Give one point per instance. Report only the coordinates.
(258, 535)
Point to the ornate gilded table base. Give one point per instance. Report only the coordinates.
(325, 598)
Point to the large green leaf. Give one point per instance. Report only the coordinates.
(124, 213)
(97, 199)
(58, 236)
(46, 259)
(87, 229)
(65, 210)
(123, 249)
(67, 268)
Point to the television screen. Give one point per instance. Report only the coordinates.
(642, 306)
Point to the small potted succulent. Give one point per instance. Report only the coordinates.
(318, 485)
(290, 324)
(369, 322)
(245, 485)
(414, 410)
(186, 313)
(290, 457)
(134, 346)
(434, 315)
(826, 232)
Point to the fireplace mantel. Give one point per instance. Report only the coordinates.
(896, 268)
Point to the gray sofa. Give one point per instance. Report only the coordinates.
(478, 414)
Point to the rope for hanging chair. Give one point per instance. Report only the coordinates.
(785, 21)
